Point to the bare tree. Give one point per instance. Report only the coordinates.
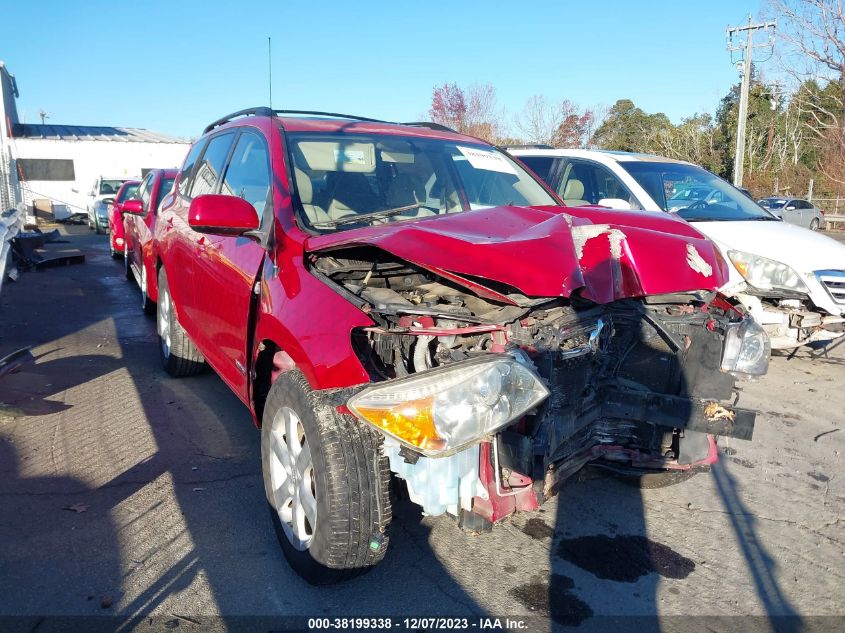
(813, 34)
(473, 111)
(562, 124)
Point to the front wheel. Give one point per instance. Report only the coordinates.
(179, 356)
(326, 483)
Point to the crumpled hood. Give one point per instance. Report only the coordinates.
(546, 252)
(803, 250)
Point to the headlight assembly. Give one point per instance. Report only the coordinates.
(747, 349)
(444, 410)
(767, 274)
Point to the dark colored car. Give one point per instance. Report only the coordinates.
(116, 240)
(387, 297)
(140, 216)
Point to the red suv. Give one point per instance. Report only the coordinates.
(402, 298)
(116, 242)
(139, 227)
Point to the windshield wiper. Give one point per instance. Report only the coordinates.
(351, 219)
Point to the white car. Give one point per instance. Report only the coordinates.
(101, 196)
(791, 279)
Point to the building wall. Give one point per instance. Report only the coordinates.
(118, 159)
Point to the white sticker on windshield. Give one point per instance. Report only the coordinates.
(491, 161)
(354, 156)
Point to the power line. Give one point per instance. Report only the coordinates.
(734, 35)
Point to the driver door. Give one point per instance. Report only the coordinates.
(226, 268)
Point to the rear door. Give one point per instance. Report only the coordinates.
(226, 268)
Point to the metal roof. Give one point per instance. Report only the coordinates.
(90, 133)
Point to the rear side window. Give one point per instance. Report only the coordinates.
(188, 168)
(540, 165)
(248, 174)
(207, 175)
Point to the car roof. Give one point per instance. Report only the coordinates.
(332, 123)
(601, 154)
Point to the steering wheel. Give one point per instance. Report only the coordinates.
(698, 204)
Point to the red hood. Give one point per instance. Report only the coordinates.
(543, 252)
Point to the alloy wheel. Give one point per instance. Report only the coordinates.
(164, 322)
(292, 478)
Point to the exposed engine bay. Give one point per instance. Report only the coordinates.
(631, 385)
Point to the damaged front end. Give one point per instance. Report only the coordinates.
(489, 399)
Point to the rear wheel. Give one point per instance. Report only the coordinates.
(179, 356)
(326, 484)
(127, 268)
(814, 225)
(148, 306)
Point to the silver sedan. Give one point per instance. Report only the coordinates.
(795, 211)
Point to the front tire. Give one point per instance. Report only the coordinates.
(179, 356)
(326, 483)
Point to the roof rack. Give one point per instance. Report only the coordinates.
(265, 111)
(262, 111)
(333, 115)
(530, 146)
(430, 125)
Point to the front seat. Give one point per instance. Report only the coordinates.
(351, 194)
(573, 193)
(405, 190)
(305, 189)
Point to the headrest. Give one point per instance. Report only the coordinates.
(574, 190)
(303, 186)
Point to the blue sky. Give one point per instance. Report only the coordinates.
(174, 66)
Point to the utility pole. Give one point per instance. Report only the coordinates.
(747, 47)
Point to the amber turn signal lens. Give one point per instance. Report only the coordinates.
(411, 421)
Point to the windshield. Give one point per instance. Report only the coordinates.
(350, 180)
(773, 203)
(110, 187)
(127, 192)
(694, 193)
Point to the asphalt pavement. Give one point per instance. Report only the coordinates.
(126, 492)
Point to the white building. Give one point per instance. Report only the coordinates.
(61, 162)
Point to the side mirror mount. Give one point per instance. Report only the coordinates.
(133, 207)
(615, 203)
(222, 215)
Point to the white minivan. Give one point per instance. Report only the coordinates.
(791, 279)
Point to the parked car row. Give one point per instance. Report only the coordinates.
(790, 279)
(400, 298)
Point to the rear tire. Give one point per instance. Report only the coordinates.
(148, 306)
(179, 356)
(814, 224)
(326, 483)
(127, 268)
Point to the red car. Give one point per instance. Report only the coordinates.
(139, 226)
(402, 298)
(116, 242)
